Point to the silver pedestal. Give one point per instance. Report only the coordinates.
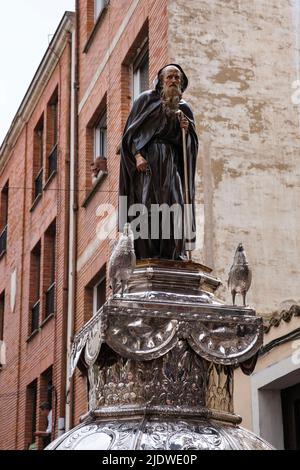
(160, 361)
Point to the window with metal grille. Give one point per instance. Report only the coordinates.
(52, 161)
(52, 133)
(34, 294)
(38, 158)
(3, 218)
(49, 268)
(35, 316)
(2, 309)
(38, 183)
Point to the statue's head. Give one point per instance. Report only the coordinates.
(160, 78)
(171, 76)
(171, 82)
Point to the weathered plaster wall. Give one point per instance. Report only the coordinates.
(241, 59)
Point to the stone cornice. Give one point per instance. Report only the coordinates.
(284, 315)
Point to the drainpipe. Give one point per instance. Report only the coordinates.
(21, 321)
(63, 339)
(72, 220)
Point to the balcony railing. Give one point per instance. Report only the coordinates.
(49, 307)
(52, 161)
(35, 316)
(38, 183)
(3, 240)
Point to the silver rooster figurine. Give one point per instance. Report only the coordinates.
(122, 260)
(240, 275)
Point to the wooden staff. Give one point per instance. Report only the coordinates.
(186, 186)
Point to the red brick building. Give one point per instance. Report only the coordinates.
(53, 262)
(34, 205)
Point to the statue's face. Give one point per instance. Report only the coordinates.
(172, 77)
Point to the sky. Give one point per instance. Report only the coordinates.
(26, 28)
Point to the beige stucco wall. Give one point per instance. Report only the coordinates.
(241, 59)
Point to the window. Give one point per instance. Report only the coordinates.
(42, 279)
(96, 149)
(95, 294)
(52, 134)
(99, 6)
(49, 269)
(3, 219)
(99, 295)
(46, 387)
(34, 294)
(2, 344)
(100, 137)
(38, 158)
(31, 413)
(2, 309)
(290, 401)
(140, 80)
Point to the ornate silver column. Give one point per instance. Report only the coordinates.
(160, 361)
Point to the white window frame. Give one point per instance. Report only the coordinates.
(100, 137)
(95, 311)
(143, 51)
(99, 6)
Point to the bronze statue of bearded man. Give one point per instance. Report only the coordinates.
(152, 168)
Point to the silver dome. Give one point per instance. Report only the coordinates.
(157, 434)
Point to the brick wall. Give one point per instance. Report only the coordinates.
(29, 358)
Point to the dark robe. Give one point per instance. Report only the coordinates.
(158, 138)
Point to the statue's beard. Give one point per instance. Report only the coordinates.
(170, 97)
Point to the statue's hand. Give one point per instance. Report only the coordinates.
(141, 163)
(184, 123)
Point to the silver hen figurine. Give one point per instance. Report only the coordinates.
(122, 260)
(240, 275)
